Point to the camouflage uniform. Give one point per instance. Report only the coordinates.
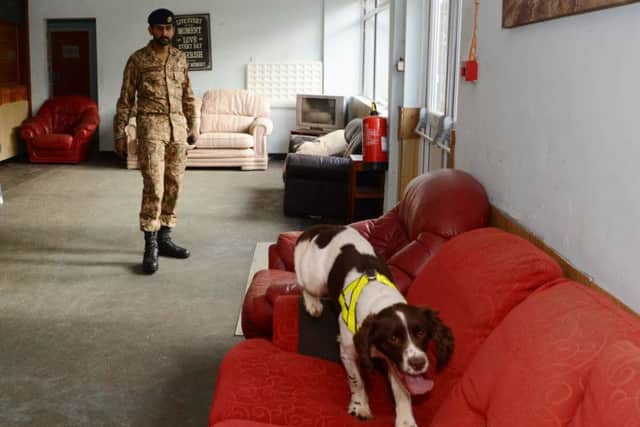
(166, 109)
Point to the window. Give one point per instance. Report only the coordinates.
(442, 56)
(375, 58)
(441, 74)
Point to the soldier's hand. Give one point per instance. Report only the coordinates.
(121, 148)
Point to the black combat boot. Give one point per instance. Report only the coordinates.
(150, 258)
(167, 247)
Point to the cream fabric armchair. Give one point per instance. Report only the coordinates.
(233, 124)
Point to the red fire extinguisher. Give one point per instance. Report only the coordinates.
(374, 141)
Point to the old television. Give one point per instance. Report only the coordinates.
(322, 113)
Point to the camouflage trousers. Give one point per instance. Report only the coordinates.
(162, 165)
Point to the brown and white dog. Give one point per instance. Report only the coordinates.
(330, 259)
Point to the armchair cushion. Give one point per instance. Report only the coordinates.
(231, 110)
(225, 140)
(53, 141)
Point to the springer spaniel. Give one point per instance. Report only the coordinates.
(375, 322)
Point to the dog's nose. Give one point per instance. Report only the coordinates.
(417, 363)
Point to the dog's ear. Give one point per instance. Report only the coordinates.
(441, 335)
(363, 342)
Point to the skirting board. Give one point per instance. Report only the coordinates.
(260, 261)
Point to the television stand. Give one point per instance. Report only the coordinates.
(310, 131)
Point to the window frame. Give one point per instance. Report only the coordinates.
(453, 57)
(370, 15)
(452, 74)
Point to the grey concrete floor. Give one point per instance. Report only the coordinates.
(85, 338)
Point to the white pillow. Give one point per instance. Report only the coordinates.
(327, 145)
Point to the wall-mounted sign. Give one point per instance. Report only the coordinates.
(70, 51)
(193, 37)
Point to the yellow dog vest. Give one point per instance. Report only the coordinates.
(354, 289)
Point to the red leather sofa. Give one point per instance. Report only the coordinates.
(532, 348)
(61, 130)
(434, 208)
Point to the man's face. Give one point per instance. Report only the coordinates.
(162, 33)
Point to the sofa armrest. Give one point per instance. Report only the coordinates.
(263, 122)
(286, 322)
(84, 131)
(281, 253)
(326, 168)
(31, 128)
(87, 126)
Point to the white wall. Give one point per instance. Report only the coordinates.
(550, 129)
(242, 31)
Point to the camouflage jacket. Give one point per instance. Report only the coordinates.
(163, 92)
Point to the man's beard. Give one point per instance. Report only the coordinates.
(162, 41)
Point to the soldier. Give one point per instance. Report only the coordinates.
(158, 75)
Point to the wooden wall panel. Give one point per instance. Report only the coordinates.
(409, 148)
(10, 58)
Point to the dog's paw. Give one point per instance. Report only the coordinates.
(360, 409)
(405, 421)
(313, 306)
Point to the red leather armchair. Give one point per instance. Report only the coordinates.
(61, 130)
(434, 208)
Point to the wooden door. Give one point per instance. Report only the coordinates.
(70, 63)
(9, 54)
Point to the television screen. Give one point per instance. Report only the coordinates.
(318, 110)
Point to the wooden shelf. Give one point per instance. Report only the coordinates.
(363, 192)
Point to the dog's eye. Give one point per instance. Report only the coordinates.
(420, 333)
(395, 340)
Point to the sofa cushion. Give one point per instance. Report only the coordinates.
(225, 140)
(353, 135)
(549, 354)
(474, 280)
(222, 154)
(224, 123)
(53, 141)
(612, 392)
(258, 381)
(230, 110)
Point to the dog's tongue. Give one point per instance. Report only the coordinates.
(418, 384)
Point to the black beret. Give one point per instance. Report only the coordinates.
(161, 17)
